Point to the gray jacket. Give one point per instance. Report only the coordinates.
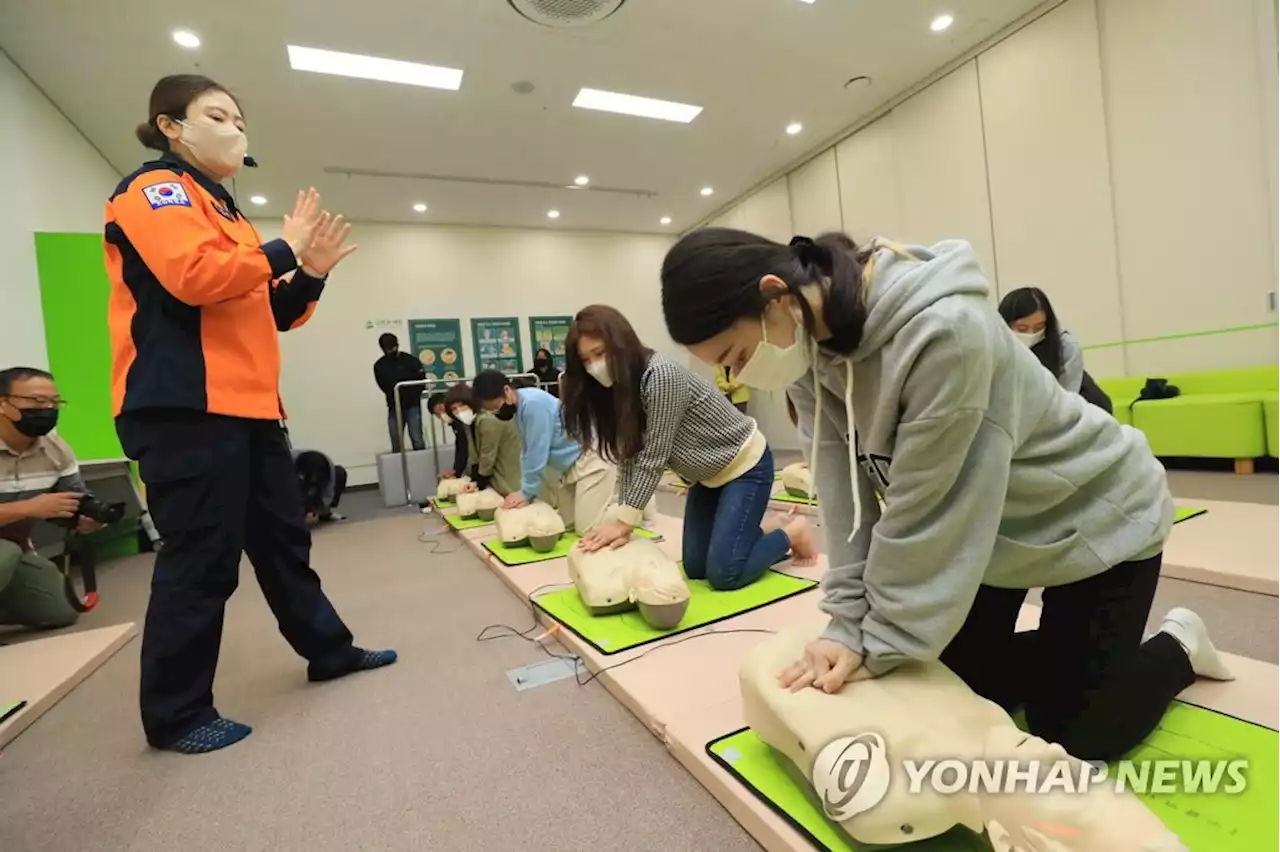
(989, 471)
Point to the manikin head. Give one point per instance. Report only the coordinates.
(739, 300)
(198, 120)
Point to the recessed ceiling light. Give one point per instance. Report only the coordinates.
(373, 68)
(419, 208)
(633, 105)
(941, 22)
(553, 214)
(582, 180)
(186, 38)
(665, 220)
(794, 127)
(807, 1)
(706, 190)
(258, 199)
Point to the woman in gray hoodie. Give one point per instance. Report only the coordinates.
(955, 474)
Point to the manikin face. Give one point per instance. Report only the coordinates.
(1030, 324)
(734, 346)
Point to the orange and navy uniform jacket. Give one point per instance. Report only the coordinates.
(197, 298)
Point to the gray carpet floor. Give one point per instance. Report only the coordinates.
(438, 752)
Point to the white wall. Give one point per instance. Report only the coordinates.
(53, 181)
(421, 272)
(1119, 156)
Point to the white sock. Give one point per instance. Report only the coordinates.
(1188, 628)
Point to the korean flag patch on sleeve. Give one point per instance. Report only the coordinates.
(168, 194)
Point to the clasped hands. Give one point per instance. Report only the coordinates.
(315, 236)
(826, 665)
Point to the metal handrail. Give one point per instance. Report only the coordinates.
(426, 385)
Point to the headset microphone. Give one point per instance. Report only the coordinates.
(251, 162)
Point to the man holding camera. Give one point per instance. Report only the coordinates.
(39, 480)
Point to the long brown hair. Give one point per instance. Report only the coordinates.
(610, 420)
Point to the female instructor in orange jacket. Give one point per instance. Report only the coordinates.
(197, 299)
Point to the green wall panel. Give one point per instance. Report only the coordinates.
(73, 296)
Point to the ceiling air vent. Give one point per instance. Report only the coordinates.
(566, 13)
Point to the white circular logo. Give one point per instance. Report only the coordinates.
(851, 775)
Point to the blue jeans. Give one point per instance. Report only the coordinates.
(412, 420)
(723, 543)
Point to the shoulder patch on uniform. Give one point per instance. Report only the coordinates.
(167, 194)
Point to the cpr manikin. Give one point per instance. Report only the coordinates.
(636, 575)
(448, 489)
(482, 504)
(797, 479)
(537, 523)
(920, 712)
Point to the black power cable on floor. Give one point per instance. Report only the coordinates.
(431, 538)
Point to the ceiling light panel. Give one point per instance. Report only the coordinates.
(634, 105)
(373, 68)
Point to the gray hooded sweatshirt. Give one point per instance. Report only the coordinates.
(969, 464)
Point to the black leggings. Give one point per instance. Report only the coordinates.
(1085, 678)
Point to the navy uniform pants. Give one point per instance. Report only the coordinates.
(216, 487)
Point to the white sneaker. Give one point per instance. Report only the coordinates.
(1188, 628)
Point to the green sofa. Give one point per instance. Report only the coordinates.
(1222, 414)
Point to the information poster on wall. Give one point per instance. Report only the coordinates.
(496, 341)
(549, 333)
(437, 343)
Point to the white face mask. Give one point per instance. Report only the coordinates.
(1030, 339)
(465, 416)
(774, 368)
(219, 147)
(599, 371)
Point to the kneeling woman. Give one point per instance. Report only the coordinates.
(493, 443)
(645, 413)
(994, 480)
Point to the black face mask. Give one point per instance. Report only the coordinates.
(541, 363)
(36, 421)
(506, 412)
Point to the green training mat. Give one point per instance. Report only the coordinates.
(525, 555)
(1205, 822)
(610, 634)
(443, 504)
(1186, 513)
(784, 497)
(10, 708)
(460, 523)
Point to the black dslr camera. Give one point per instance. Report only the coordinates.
(82, 591)
(95, 510)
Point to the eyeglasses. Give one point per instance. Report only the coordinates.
(40, 401)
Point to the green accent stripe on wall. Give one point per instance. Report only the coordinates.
(73, 297)
(1183, 336)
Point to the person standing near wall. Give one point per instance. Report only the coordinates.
(392, 368)
(735, 391)
(196, 304)
(544, 367)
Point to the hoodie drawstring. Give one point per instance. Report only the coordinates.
(853, 448)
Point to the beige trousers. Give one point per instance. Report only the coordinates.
(582, 493)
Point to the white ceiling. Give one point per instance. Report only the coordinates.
(754, 65)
